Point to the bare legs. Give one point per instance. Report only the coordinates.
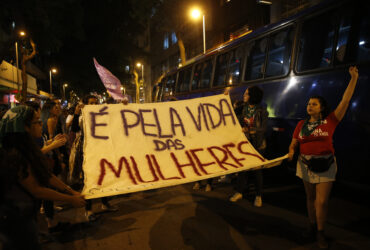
(310, 201)
(317, 199)
(321, 203)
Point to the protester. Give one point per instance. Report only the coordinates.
(47, 146)
(208, 188)
(50, 119)
(253, 120)
(316, 164)
(70, 134)
(61, 128)
(76, 157)
(69, 118)
(49, 116)
(24, 178)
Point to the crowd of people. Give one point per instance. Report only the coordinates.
(41, 150)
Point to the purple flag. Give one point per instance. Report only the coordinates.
(111, 83)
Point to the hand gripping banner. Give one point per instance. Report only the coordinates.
(136, 147)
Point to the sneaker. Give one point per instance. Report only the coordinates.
(237, 196)
(109, 208)
(58, 208)
(322, 242)
(208, 188)
(258, 201)
(196, 186)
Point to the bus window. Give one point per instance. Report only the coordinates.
(279, 53)
(221, 69)
(155, 93)
(206, 74)
(170, 84)
(184, 80)
(196, 76)
(316, 42)
(353, 36)
(363, 45)
(344, 29)
(160, 90)
(235, 65)
(180, 81)
(256, 60)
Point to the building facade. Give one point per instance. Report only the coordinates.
(224, 20)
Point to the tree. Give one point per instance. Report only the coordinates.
(26, 56)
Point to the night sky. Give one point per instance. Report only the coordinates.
(68, 34)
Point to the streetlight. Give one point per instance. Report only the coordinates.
(64, 90)
(21, 33)
(195, 14)
(142, 70)
(142, 80)
(52, 71)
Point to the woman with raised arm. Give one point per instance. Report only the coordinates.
(316, 164)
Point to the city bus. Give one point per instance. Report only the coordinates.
(301, 56)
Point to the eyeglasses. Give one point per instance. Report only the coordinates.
(37, 122)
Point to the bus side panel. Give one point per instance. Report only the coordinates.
(286, 102)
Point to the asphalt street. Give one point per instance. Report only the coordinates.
(182, 218)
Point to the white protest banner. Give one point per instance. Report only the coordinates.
(135, 147)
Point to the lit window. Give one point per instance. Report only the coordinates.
(173, 38)
(166, 42)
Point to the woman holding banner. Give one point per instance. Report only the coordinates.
(76, 158)
(316, 164)
(25, 179)
(253, 120)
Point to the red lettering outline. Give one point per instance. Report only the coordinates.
(160, 171)
(237, 160)
(137, 172)
(179, 166)
(223, 161)
(247, 153)
(116, 173)
(200, 164)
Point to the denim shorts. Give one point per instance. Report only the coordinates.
(312, 177)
